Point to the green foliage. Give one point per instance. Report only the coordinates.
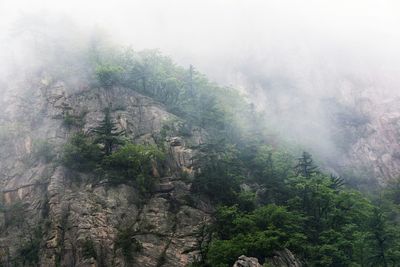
(108, 75)
(246, 200)
(335, 218)
(297, 206)
(186, 93)
(71, 121)
(89, 249)
(392, 191)
(101, 153)
(81, 154)
(320, 220)
(383, 238)
(273, 163)
(222, 253)
(218, 173)
(362, 179)
(107, 133)
(271, 167)
(133, 163)
(305, 165)
(29, 251)
(127, 243)
(257, 233)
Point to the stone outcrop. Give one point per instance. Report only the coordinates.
(74, 213)
(244, 261)
(375, 147)
(283, 258)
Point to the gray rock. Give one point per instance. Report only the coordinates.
(244, 261)
(72, 212)
(283, 258)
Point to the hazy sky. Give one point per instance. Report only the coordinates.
(285, 53)
(217, 36)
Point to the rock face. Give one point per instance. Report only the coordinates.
(283, 258)
(374, 148)
(244, 261)
(79, 221)
(380, 146)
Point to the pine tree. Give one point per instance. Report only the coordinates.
(380, 239)
(305, 166)
(107, 133)
(336, 182)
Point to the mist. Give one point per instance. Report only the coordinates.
(290, 58)
(199, 133)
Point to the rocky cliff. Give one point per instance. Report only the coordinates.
(368, 133)
(57, 217)
(378, 147)
(70, 221)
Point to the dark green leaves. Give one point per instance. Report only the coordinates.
(81, 154)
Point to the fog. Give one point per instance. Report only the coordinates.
(289, 57)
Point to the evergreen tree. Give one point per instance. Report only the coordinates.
(81, 154)
(383, 238)
(305, 166)
(336, 182)
(107, 133)
(218, 172)
(379, 239)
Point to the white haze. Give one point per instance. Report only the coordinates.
(287, 55)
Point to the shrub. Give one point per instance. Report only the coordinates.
(70, 121)
(254, 234)
(218, 173)
(29, 251)
(108, 75)
(80, 153)
(133, 162)
(127, 243)
(88, 249)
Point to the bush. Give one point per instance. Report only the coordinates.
(223, 253)
(29, 251)
(130, 162)
(108, 75)
(218, 173)
(127, 243)
(256, 234)
(88, 249)
(133, 162)
(81, 154)
(70, 121)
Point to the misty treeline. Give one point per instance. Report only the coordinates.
(267, 196)
(81, 59)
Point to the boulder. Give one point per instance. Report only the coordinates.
(244, 261)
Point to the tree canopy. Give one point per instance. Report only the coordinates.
(265, 198)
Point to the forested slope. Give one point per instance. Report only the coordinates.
(122, 158)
